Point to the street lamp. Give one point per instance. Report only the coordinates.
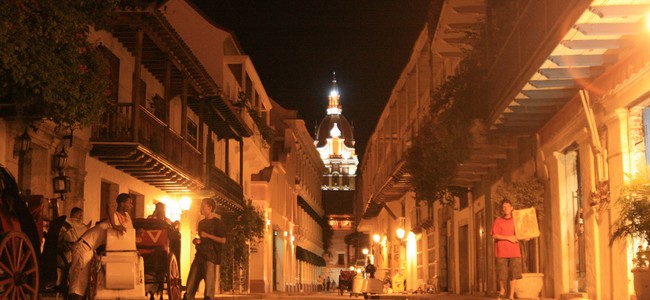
(24, 142)
(376, 237)
(60, 160)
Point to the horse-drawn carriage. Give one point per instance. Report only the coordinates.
(119, 271)
(159, 244)
(19, 243)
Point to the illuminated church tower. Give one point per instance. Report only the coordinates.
(335, 143)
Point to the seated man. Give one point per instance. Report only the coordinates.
(160, 213)
(72, 230)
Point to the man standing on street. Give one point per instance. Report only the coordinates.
(507, 252)
(212, 235)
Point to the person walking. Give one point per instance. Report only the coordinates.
(507, 252)
(83, 249)
(205, 265)
(329, 283)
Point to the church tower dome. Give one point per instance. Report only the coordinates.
(335, 143)
(334, 120)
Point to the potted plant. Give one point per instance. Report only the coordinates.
(634, 221)
(525, 194)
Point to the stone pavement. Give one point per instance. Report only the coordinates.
(335, 296)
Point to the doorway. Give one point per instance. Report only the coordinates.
(463, 258)
(575, 222)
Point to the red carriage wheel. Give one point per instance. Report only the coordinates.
(173, 278)
(18, 267)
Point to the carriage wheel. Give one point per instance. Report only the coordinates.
(173, 278)
(18, 267)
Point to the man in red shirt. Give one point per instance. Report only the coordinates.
(506, 250)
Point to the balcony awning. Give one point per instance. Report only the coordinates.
(310, 257)
(596, 42)
(140, 162)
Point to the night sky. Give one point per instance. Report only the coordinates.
(296, 45)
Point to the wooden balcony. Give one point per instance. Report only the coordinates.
(154, 154)
(230, 194)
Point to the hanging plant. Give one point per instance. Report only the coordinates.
(268, 133)
(443, 139)
(634, 217)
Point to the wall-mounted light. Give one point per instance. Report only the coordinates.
(185, 203)
(24, 142)
(268, 222)
(400, 233)
(376, 237)
(286, 233)
(365, 251)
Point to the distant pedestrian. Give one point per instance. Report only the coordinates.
(507, 252)
(329, 283)
(205, 266)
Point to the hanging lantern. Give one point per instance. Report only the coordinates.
(60, 160)
(61, 184)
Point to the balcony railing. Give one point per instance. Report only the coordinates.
(421, 217)
(152, 134)
(225, 185)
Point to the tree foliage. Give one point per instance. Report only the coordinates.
(248, 229)
(48, 68)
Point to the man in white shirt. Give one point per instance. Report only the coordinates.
(83, 249)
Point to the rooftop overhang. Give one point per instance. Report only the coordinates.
(458, 20)
(161, 45)
(394, 188)
(600, 38)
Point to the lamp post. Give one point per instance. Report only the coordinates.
(24, 142)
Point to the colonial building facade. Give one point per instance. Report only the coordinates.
(188, 118)
(563, 105)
